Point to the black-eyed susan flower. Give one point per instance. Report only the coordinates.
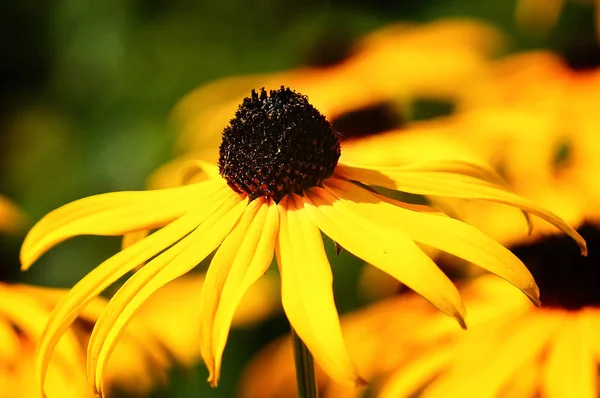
(282, 184)
(512, 348)
(523, 351)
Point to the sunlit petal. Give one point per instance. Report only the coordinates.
(384, 246)
(306, 291)
(114, 213)
(110, 271)
(243, 257)
(444, 233)
(453, 185)
(171, 264)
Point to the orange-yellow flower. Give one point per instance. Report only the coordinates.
(281, 186)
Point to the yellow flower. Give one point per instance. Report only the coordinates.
(532, 100)
(528, 100)
(10, 217)
(512, 348)
(139, 360)
(282, 185)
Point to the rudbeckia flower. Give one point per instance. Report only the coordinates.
(512, 348)
(282, 184)
(140, 360)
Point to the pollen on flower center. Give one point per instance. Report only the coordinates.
(277, 144)
(566, 279)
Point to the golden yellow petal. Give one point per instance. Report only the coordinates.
(114, 213)
(171, 264)
(386, 247)
(240, 261)
(453, 185)
(108, 272)
(444, 233)
(418, 146)
(483, 367)
(570, 369)
(411, 378)
(306, 291)
(133, 237)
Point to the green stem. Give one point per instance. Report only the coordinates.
(305, 369)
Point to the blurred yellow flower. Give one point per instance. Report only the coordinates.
(140, 360)
(533, 100)
(535, 121)
(512, 348)
(282, 185)
(10, 216)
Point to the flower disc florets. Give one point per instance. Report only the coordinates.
(277, 144)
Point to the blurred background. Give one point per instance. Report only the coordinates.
(86, 90)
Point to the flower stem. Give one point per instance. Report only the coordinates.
(305, 369)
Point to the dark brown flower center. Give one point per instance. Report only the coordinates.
(566, 279)
(277, 144)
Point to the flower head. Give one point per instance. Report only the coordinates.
(250, 222)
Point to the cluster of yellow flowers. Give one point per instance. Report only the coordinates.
(514, 165)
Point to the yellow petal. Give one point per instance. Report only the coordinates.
(171, 264)
(110, 271)
(306, 291)
(411, 378)
(114, 213)
(570, 368)
(240, 261)
(444, 233)
(420, 146)
(488, 363)
(133, 237)
(386, 247)
(453, 185)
